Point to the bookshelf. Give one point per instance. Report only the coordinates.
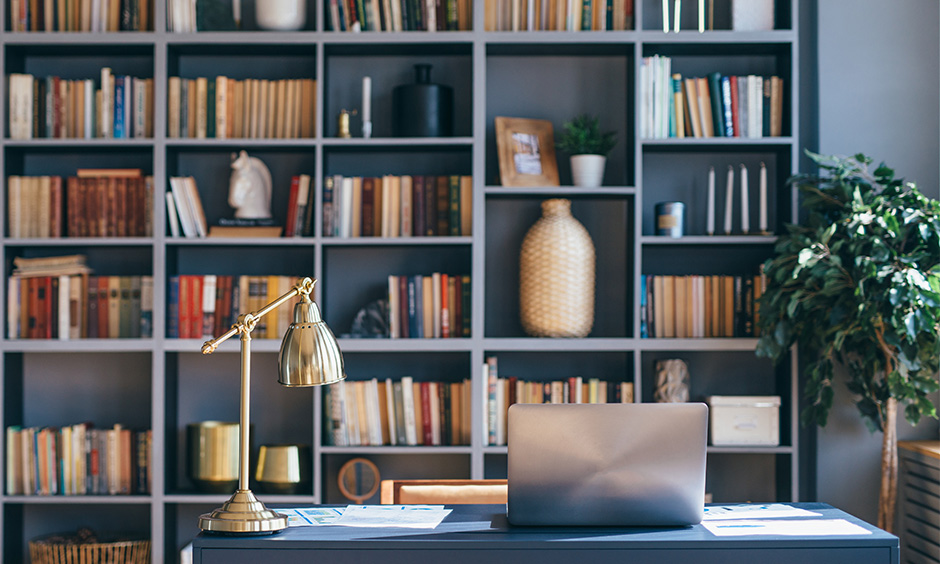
(165, 384)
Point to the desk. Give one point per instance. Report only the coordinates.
(480, 534)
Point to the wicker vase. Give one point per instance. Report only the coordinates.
(556, 275)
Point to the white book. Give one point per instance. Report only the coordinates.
(21, 106)
(195, 206)
(345, 207)
(485, 405)
(186, 216)
(394, 312)
(757, 107)
(644, 99)
(387, 209)
(107, 104)
(76, 297)
(394, 200)
(209, 283)
(64, 319)
(500, 413)
(408, 405)
(13, 463)
(375, 412)
(13, 309)
(390, 411)
(743, 105)
(172, 215)
(96, 15)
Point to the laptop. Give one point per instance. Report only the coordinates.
(607, 464)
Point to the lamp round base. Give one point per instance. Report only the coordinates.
(243, 514)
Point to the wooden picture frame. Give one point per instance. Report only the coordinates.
(526, 150)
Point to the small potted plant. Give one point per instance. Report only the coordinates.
(588, 146)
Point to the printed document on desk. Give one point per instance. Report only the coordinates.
(785, 527)
(408, 516)
(754, 511)
(311, 516)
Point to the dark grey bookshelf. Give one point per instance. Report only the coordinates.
(164, 384)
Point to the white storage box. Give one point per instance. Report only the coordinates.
(744, 420)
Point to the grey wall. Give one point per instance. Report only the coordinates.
(878, 79)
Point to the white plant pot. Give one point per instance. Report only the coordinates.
(281, 15)
(588, 170)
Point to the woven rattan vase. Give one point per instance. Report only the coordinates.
(556, 275)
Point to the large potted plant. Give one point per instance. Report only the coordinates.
(858, 285)
(588, 146)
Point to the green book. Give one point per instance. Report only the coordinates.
(210, 109)
(453, 206)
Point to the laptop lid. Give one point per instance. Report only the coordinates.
(607, 464)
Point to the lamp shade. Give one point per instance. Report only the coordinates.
(310, 355)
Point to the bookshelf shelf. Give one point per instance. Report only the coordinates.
(167, 383)
(78, 499)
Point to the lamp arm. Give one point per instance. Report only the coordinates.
(247, 321)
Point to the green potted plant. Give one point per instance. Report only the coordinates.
(857, 285)
(588, 146)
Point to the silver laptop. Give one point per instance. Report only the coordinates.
(607, 464)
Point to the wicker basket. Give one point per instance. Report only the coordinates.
(58, 549)
(556, 275)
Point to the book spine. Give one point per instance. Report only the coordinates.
(715, 95)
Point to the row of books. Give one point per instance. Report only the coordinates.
(78, 460)
(500, 393)
(399, 15)
(112, 205)
(558, 15)
(223, 107)
(429, 307)
(118, 107)
(397, 206)
(80, 15)
(204, 306)
(713, 106)
(700, 306)
(80, 306)
(399, 412)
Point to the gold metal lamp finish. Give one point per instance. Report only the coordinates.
(309, 356)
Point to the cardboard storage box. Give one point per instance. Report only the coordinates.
(744, 420)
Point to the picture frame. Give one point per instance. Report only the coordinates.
(526, 150)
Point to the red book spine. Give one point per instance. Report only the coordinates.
(403, 305)
(430, 205)
(418, 201)
(195, 329)
(292, 206)
(55, 203)
(185, 306)
(445, 308)
(368, 208)
(52, 308)
(426, 413)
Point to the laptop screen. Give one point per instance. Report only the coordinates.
(607, 464)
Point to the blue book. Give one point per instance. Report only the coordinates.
(120, 128)
(412, 309)
(644, 325)
(420, 330)
(172, 306)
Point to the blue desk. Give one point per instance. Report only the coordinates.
(480, 534)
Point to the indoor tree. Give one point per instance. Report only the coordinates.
(858, 284)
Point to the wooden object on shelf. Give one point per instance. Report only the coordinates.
(448, 492)
(250, 232)
(526, 152)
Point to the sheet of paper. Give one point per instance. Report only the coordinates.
(311, 516)
(752, 511)
(786, 527)
(409, 516)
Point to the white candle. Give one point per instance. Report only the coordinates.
(701, 16)
(745, 209)
(665, 16)
(763, 198)
(710, 217)
(366, 106)
(677, 8)
(729, 197)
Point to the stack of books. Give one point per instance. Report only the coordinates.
(397, 206)
(400, 412)
(712, 106)
(77, 460)
(119, 107)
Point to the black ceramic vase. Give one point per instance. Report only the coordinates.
(423, 109)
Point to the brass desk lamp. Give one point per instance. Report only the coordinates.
(309, 356)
